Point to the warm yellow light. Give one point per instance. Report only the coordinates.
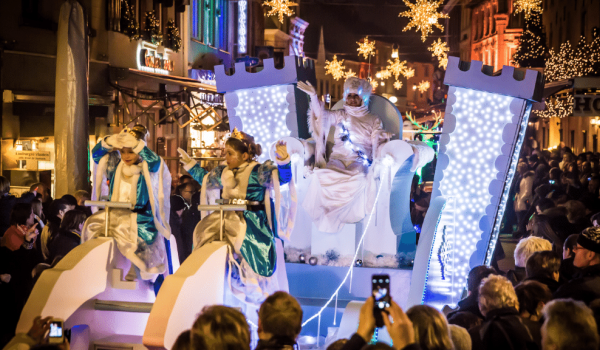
(440, 50)
(423, 16)
(528, 7)
(423, 86)
(349, 74)
(280, 8)
(397, 85)
(366, 48)
(335, 68)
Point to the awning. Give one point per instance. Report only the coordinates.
(119, 74)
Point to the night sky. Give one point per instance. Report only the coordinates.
(347, 21)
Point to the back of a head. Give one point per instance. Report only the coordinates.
(431, 328)
(281, 315)
(72, 220)
(377, 346)
(338, 344)
(189, 341)
(82, 195)
(20, 214)
(530, 294)
(477, 274)
(545, 203)
(496, 292)
(542, 264)
(569, 325)
(570, 242)
(460, 337)
(69, 200)
(529, 245)
(222, 328)
(4, 185)
(575, 210)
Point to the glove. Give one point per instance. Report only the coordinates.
(281, 150)
(185, 158)
(307, 88)
(126, 140)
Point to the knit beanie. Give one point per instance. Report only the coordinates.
(590, 239)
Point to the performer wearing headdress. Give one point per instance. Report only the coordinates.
(142, 178)
(251, 233)
(342, 189)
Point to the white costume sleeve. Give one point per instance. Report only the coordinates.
(320, 121)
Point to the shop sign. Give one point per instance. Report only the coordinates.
(33, 155)
(151, 59)
(204, 76)
(586, 105)
(210, 98)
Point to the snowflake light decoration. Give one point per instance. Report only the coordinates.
(349, 74)
(374, 84)
(527, 7)
(423, 86)
(335, 68)
(384, 74)
(397, 67)
(280, 8)
(366, 48)
(423, 16)
(409, 73)
(440, 50)
(397, 85)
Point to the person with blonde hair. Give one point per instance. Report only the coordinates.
(525, 248)
(431, 328)
(569, 325)
(222, 328)
(503, 327)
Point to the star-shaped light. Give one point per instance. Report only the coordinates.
(408, 73)
(349, 74)
(335, 68)
(366, 48)
(396, 67)
(384, 74)
(397, 85)
(528, 7)
(423, 16)
(440, 50)
(280, 8)
(374, 83)
(423, 86)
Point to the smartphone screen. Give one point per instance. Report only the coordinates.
(381, 296)
(56, 332)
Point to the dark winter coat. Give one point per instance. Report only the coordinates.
(584, 287)
(504, 329)
(63, 243)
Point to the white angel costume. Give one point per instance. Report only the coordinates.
(137, 232)
(342, 188)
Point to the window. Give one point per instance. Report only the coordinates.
(209, 22)
(585, 140)
(573, 141)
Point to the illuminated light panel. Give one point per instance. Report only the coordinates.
(242, 25)
(263, 112)
(472, 152)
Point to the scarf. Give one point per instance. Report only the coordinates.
(357, 111)
(130, 170)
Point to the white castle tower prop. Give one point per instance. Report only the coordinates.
(265, 104)
(484, 126)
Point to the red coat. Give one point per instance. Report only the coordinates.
(13, 238)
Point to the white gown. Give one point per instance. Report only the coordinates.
(343, 189)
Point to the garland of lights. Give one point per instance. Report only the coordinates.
(532, 48)
(335, 68)
(280, 8)
(423, 16)
(129, 24)
(173, 38)
(152, 29)
(528, 7)
(347, 140)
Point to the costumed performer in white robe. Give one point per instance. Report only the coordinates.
(141, 178)
(250, 233)
(342, 188)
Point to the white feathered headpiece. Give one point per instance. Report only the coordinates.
(361, 87)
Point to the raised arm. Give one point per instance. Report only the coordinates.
(191, 166)
(103, 147)
(127, 140)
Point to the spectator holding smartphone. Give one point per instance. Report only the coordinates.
(397, 323)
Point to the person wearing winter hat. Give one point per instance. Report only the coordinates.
(586, 286)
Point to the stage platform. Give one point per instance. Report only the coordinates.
(314, 285)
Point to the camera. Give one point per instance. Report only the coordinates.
(381, 297)
(56, 334)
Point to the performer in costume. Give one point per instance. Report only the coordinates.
(250, 233)
(342, 189)
(142, 178)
